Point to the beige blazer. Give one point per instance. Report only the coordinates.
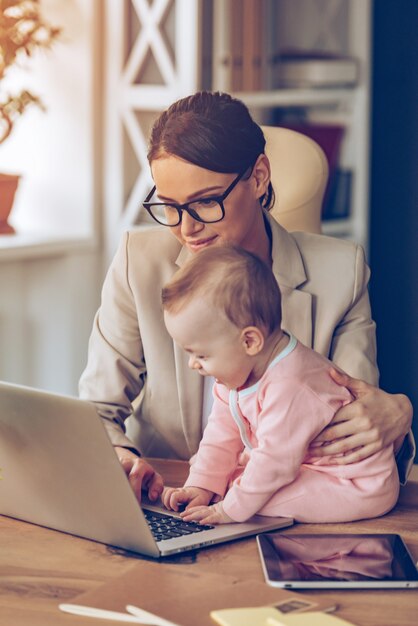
(325, 305)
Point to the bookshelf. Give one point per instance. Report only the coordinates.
(168, 49)
(335, 27)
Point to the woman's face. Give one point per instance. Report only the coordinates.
(179, 181)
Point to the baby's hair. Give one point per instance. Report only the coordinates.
(236, 281)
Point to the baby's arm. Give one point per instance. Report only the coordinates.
(216, 459)
(213, 514)
(173, 497)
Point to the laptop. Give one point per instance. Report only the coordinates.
(59, 470)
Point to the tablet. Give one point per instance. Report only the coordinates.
(336, 561)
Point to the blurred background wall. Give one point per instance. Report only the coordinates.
(50, 270)
(394, 194)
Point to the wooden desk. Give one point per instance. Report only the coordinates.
(39, 568)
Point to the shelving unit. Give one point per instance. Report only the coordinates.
(335, 26)
(153, 62)
(296, 97)
(342, 107)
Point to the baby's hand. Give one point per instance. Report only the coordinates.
(213, 514)
(174, 498)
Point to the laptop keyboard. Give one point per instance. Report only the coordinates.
(166, 527)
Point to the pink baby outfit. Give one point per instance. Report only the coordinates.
(273, 422)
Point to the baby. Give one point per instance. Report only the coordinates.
(272, 396)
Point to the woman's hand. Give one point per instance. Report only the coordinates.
(175, 497)
(142, 476)
(373, 420)
(213, 514)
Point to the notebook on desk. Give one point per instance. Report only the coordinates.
(60, 470)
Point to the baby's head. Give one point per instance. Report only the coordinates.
(222, 307)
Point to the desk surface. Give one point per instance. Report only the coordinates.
(39, 568)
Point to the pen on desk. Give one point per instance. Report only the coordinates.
(89, 611)
(141, 613)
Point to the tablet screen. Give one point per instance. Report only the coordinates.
(336, 560)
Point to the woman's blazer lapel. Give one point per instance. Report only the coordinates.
(289, 271)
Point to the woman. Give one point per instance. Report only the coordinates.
(213, 182)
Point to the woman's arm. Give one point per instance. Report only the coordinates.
(115, 369)
(375, 418)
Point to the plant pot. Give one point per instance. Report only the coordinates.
(8, 186)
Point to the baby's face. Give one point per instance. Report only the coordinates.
(213, 342)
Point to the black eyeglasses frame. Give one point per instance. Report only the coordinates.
(185, 207)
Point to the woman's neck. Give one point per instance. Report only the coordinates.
(261, 239)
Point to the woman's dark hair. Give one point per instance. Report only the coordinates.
(211, 130)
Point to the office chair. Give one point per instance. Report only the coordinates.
(299, 174)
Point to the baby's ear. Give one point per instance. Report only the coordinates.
(252, 340)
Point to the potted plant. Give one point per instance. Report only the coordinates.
(22, 31)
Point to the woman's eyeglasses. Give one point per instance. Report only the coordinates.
(206, 210)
